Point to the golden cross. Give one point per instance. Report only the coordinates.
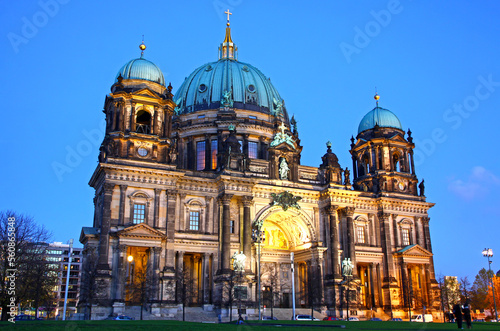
(228, 13)
(282, 127)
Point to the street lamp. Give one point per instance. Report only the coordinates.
(257, 234)
(488, 252)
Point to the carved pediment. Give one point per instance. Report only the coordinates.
(146, 93)
(414, 251)
(141, 231)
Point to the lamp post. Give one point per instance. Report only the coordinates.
(293, 286)
(70, 253)
(488, 252)
(257, 237)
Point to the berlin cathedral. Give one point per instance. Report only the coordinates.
(187, 182)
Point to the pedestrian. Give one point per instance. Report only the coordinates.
(457, 311)
(467, 316)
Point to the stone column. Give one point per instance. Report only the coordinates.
(132, 118)
(406, 282)
(179, 268)
(377, 157)
(170, 231)
(127, 109)
(210, 215)
(247, 229)
(226, 232)
(385, 239)
(372, 285)
(182, 214)
(205, 277)
(122, 276)
(427, 234)
(334, 240)
(395, 230)
(121, 217)
(208, 152)
(107, 191)
(412, 162)
(156, 218)
(351, 249)
(354, 167)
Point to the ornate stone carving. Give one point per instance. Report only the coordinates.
(332, 209)
(247, 201)
(285, 200)
(349, 211)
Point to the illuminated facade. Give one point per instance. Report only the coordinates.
(183, 180)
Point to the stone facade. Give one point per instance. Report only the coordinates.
(178, 192)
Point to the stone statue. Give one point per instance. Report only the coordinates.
(278, 106)
(421, 186)
(239, 261)
(347, 174)
(227, 101)
(347, 267)
(172, 153)
(284, 169)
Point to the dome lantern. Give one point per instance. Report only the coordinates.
(227, 49)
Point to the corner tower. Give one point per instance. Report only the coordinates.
(138, 115)
(382, 157)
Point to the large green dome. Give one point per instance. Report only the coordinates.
(250, 89)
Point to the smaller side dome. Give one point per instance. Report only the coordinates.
(382, 117)
(142, 69)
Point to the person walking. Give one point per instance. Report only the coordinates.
(457, 311)
(467, 316)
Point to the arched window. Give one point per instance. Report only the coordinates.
(395, 162)
(143, 122)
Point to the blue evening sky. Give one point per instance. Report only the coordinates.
(434, 64)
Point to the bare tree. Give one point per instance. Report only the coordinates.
(143, 286)
(91, 284)
(464, 289)
(184, 288)
(18, 232)
(270, 281)
(39, 276)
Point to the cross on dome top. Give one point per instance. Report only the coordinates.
(228, 13)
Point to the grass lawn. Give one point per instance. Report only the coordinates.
(267, 325)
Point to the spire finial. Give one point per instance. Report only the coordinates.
(228, 13)
(142, 47)
(376, 97)
(227, 49)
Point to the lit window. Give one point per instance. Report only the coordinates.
(194, 220)
(200, 155)
(252, 149)
(139, 213)
(361, 234)
(406, 236)
(214, 154)
(232, 227)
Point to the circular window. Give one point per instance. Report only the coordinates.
(251, 88)
(142, 151)
(245, 68)
(208, 68)
(202, 88)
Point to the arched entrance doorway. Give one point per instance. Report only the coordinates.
(286, 231)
